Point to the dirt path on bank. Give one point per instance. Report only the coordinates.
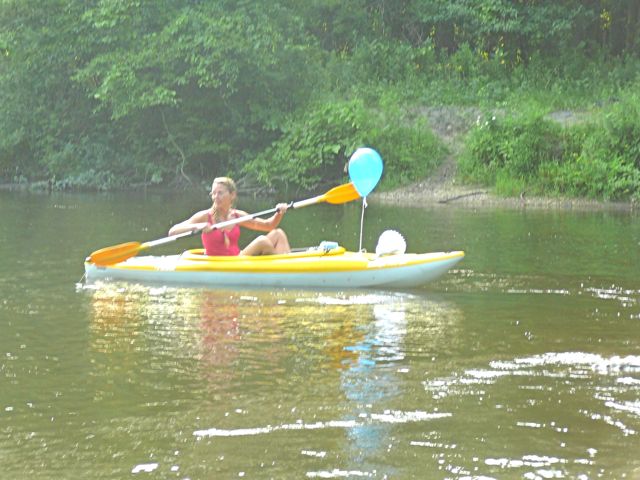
(451, 124)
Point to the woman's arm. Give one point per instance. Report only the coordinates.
(197, 221)
(265, 224)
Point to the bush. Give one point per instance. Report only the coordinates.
(597, 159)
(313, 147)
(602, 157)
(516, 146)
(316, 146)
(408, 146)
(91, 164)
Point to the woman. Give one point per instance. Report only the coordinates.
(225, 241)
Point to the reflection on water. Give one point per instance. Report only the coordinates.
(348, 379)
(628, 298)
(573, 398)
(365, 385)
(357, 346)
(218, 328)
(523, 363)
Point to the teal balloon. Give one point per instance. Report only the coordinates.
(365, 170)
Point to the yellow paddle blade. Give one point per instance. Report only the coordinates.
(115, 254)
(341, 194)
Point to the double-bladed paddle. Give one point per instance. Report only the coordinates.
(118, 253)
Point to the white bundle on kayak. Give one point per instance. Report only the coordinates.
(391, 242)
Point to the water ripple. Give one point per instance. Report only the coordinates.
(387, 417)
(470, 280)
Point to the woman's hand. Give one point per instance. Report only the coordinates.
(281, 208)
(206, 229)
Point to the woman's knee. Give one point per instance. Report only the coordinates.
(280, 241)
(259, 246)
(277, 234)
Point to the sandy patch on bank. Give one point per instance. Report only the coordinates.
(451, 124)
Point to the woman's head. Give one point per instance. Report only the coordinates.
(223, 188)
(226, 181)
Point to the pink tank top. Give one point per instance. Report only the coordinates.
(222, 242)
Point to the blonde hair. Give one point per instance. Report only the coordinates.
(227, 182)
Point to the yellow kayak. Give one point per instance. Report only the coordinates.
(316, 267)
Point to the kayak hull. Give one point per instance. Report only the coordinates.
(319, 269)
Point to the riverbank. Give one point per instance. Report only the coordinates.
(448, 193)
(451, 124)
(443, 189)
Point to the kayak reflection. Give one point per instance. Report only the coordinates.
(380, 375)
(280, 357)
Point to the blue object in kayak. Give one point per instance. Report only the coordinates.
(365, 170)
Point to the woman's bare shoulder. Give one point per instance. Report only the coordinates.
(239, 213)
(201, 216)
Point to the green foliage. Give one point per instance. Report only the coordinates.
(175, 85)
(599, 158)
(406, 143)
(516, 146)
(602, 158)
(109, 94)
(410, 152)
(390, 62)
(39, 104)
(317, 147)
(314, 147)
(93, 164)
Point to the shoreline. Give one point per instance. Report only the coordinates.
(429, 193)
(434, 192)
(450, 125)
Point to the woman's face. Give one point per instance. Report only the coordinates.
(221, 196)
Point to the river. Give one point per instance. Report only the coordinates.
(522, 362)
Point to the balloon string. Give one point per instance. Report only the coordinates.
(364, 205)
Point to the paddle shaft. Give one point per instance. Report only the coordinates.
(233, 221)
(119, 253)
(226, 223)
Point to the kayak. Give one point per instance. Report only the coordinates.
(335, 268)
(315, 267)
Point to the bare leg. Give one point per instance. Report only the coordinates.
(279, 241)
(273, 242)
(259, 246)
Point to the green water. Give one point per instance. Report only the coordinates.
(523, 362)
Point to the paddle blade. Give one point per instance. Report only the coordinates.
(341, 194)
(117, 253)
